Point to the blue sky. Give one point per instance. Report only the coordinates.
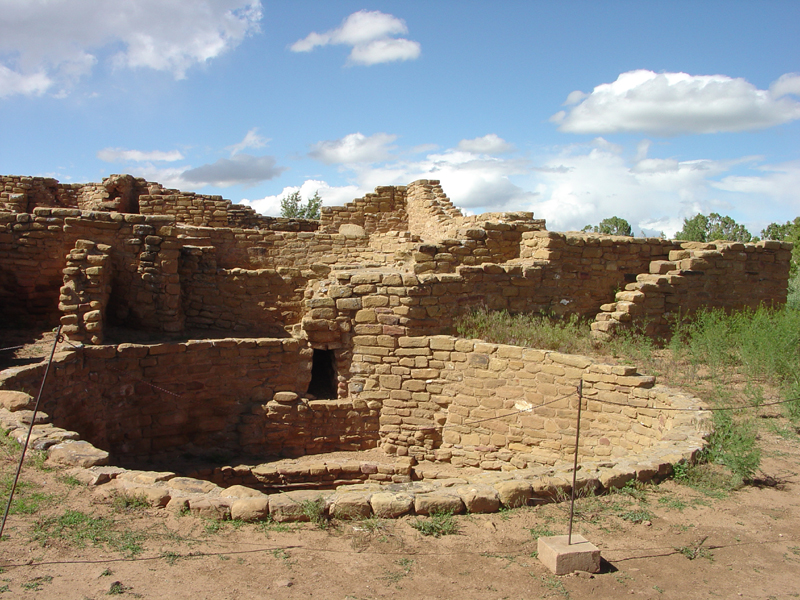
(651, 111)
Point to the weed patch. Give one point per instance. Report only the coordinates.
(70, 480)
(540, 530)
(79, 529)
(437, 525)
(212, 526)
(315, 511)
(711, 480)
(696, 550)
(27, 501)
(672, 503)
(35, 584)
(556, 586)
(639, 515)
(269, 524)
(118, 588)
(733, 444)
(130, 502)
(395, 577)
(570, 334)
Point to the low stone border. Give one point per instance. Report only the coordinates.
(438, 488)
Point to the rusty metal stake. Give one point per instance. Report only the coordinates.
(575, 462)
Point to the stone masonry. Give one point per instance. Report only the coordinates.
(279, 338)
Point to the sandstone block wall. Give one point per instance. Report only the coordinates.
(242, 396)
(186, 207)
(213, 211)
(489, 406)
(135, 195)
(386, 325)
(19, 194)
(159, 269)
(143, 266)
(32, 250)
(254, 301)
(251, 248)
(502, 411)
(84, 295)
(728, 275)
(434, 398)
(383, 211)
(433, 218)
(431, 214)
(484, 242)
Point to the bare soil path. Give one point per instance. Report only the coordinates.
(665, 541)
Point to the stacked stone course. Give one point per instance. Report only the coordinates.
(84, 295)
(243, 396)
(728, 275)
(381, 212)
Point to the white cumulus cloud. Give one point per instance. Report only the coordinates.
(652, 194)
(488, 144)
(250, 140)
(370, 34)
(28, 84)
(122, 155)
(44, 45)
(772, 187)
(678, 103)
(354, 148)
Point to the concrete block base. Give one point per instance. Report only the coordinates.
(563, 558)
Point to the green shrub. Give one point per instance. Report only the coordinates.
(793, 300)
(733, 444)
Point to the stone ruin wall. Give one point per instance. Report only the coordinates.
(387, 324)
(380, 212)
(382, 301)
(234, 396)
(162, 272)
(240, 397)
(124, 193)
(697, 275)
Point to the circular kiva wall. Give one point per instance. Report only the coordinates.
(478, 411)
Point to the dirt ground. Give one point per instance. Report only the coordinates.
(666, 541)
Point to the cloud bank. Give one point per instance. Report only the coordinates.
(677, 103)
(50, 45)
(370, 36)
(570, 186)
(354, 148)
(488, 144)
(114, 155)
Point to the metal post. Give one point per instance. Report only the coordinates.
(30, 430)
(575, 462)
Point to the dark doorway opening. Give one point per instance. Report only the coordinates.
(324, 381)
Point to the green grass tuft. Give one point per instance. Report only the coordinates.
(79, 529)
(437, 524)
